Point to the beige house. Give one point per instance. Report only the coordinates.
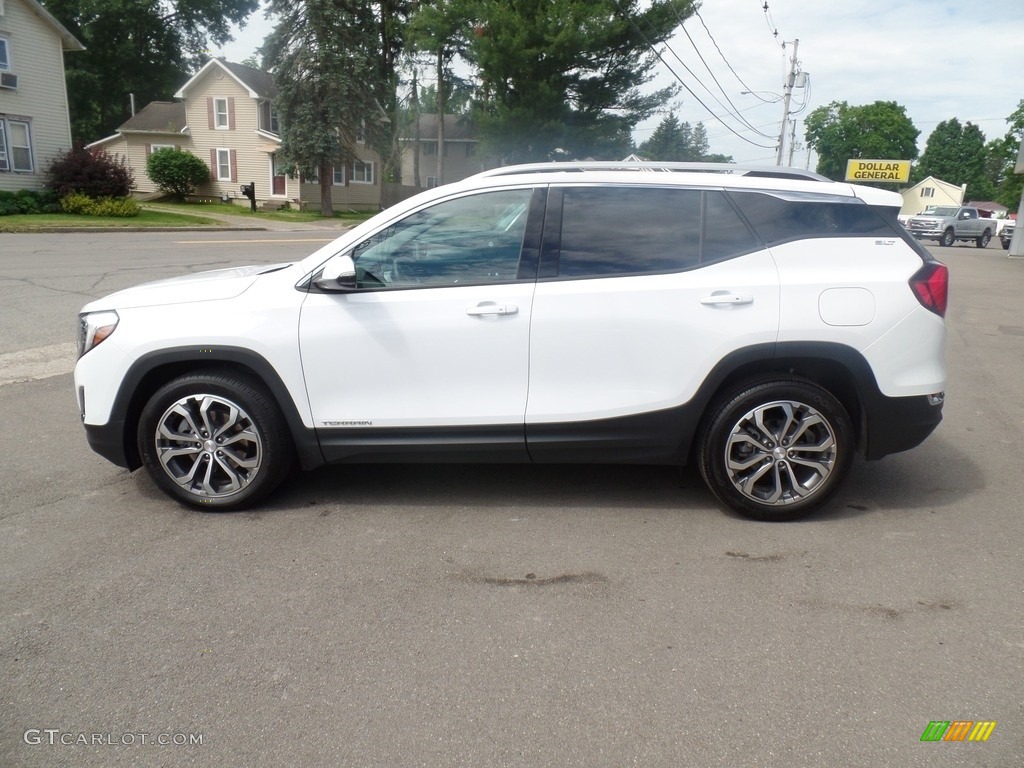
(929, 192)
(461, 156)
(225, 117)
(34, 121)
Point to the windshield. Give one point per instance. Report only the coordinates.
(941, 210)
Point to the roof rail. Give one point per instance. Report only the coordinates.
(765, 171)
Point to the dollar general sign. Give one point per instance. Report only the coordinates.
(877, 170)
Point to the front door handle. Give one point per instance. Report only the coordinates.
(727, 298)
(492, 309)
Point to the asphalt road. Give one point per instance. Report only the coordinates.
(499, 616)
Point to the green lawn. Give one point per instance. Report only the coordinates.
(214, 207)
(163, 214)
(148, 218)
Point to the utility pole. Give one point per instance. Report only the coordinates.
(792, 142)
(787, 93)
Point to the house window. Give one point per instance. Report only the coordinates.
(157, 147)
(15, 146)
(927, 191)
(223, 165)
(220, 114)
(431, 182)
(361, 131)
(339, 175)
(470, 149)
(5, 55)
(429, 149)
(362, 173)
(313, 177)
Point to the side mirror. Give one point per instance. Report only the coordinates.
(338, 275)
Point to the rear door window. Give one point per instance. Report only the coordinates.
(607, 231)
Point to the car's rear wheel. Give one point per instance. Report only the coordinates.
(984, 239)
(776, 449)
(214, 440)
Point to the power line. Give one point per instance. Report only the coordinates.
(689, 90)
(735, 111)
(717, 48)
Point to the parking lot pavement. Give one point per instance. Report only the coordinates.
(503, 615)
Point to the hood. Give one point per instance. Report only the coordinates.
(201, 286)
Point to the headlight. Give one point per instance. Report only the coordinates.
(93, 328)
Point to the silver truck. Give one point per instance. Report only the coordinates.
(948, 223)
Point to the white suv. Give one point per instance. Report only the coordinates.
(765, 323)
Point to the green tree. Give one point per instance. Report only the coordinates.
(839, 132)
(957, 154)
(1003, 155)
(671, 140)
(324, 56)
(564, 77)
(176, 172)
(139, 47)
(440, 30)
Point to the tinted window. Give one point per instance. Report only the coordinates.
(474, 239)
(632, 230)
(778, 220)
(725, 235)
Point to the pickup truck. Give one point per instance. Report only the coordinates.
(948, 223)
(1005, 236)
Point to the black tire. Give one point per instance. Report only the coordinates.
(773, 477)
(947, 238)
(242, 450)
(984, 239)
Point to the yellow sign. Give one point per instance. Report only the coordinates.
(877, 170)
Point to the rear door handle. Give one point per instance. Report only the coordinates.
(727, 298)
(492, 309)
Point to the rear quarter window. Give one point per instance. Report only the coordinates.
(778, 220)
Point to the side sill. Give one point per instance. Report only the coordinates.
(425, 445)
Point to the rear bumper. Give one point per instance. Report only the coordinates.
(898, 424)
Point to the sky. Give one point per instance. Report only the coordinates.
(939, 59)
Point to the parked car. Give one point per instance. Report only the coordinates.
(949, 224)
(1006, 235)
(767, 324)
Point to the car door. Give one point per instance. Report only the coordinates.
(430, 351)
(641, 292)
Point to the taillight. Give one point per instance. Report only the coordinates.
(931, 285)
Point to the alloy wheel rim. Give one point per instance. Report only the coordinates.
(780, 453)
(209, 446)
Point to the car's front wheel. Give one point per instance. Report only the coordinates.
(215, 440)
(946, 240)
(775, 449)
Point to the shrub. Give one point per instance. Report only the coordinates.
(116, 206)
(83, 205)
(92, 172)
(77, 203)
(28, 201)
(176, 172)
